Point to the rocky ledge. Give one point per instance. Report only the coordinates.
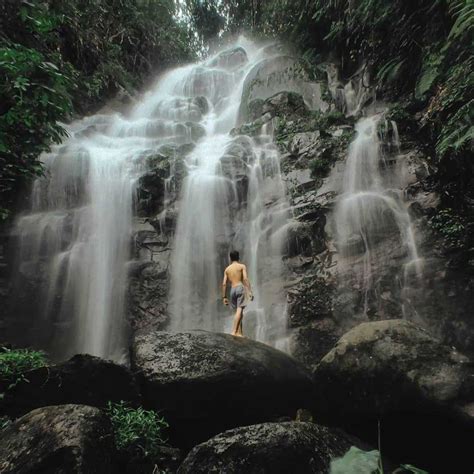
(208, 382)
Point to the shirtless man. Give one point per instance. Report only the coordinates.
(236, 274)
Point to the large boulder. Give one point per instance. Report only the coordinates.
(268, 448)
(83, 379)
(229, 59)
(276, 74)
(420, 390)
(208, 382)
(67, 439)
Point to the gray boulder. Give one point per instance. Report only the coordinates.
(268, 448)
(66, 439)
(420, 390)
(207, 382)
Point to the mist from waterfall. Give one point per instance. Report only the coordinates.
(75, 241)
(371, 212)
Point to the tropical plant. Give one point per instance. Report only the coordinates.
(14, 363)
(136, 430)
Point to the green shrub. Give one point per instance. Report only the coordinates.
(451, 226)
(15, 362)
(136, 430)
(319, 166)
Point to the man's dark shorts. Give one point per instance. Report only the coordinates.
(237, 297)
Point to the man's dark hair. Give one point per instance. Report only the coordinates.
(234, 256)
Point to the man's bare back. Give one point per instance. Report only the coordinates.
(236, 273)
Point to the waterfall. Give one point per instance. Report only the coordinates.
(75, 240)
(371, 217)
(233, 197)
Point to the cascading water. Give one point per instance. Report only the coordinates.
(371, 215)
(75, 242)
(233, 197)
(77, 236)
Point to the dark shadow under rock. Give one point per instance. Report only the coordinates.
(83, 379)
(311, 342)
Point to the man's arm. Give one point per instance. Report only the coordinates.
(246, 281)
(224, 289)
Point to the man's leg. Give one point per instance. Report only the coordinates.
(240, 327)
(237, 321)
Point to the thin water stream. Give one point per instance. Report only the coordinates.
(371, 213)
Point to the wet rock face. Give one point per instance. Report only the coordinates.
(269, 447)
(83, 379)
(395, 371)
(311, 342)
(285, 103)
(276, 74)
(208, 382)
(156, 200)
(64, 439)
(230, 59)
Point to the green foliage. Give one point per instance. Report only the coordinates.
(404, 468)
(15, 362)
(34, 96)
(137, 431)
(390, 71)
(60, 57)
(451, 226)
(430, 70)
(4, 422)
(463, 11)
